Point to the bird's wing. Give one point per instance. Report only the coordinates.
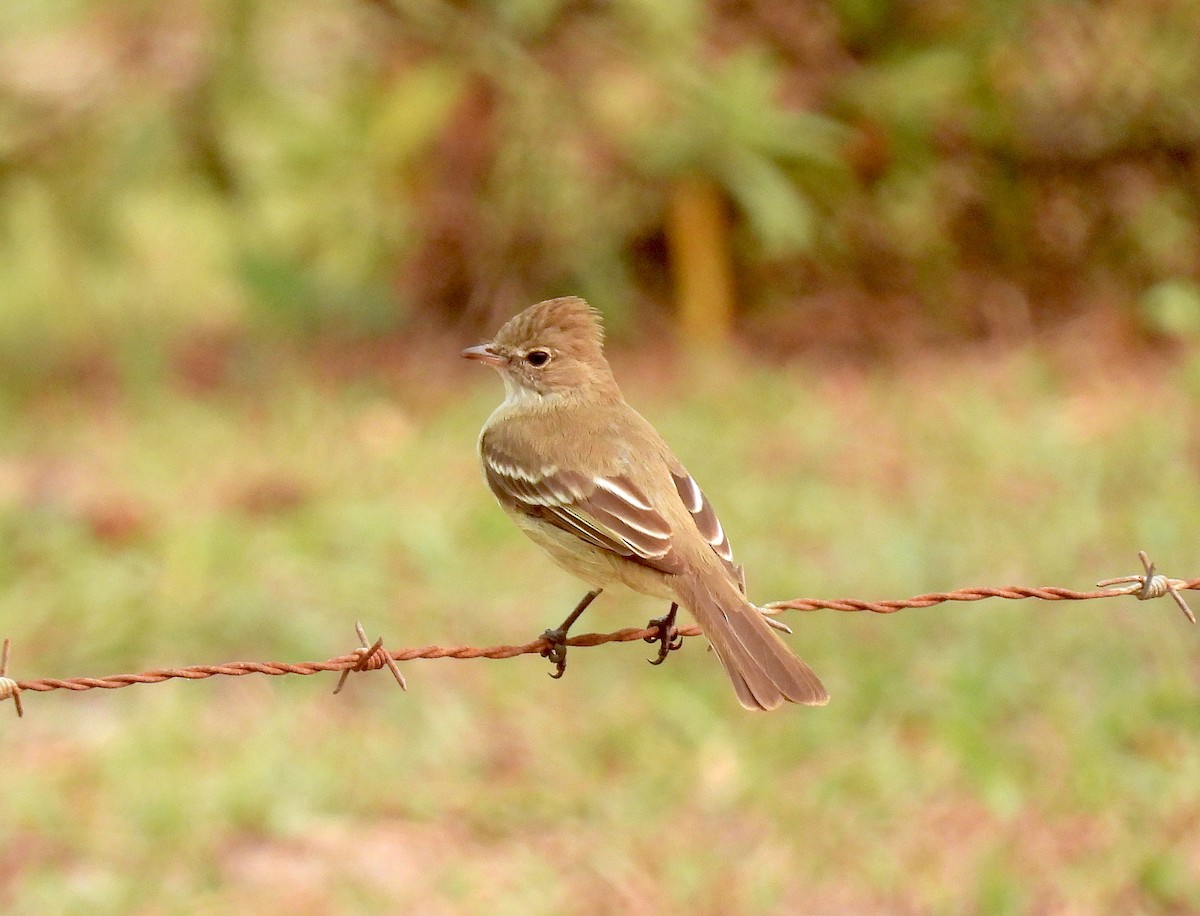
(608, 512)
(703, 515)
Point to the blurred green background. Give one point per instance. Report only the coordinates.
(912, 288)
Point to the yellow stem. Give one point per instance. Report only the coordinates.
(698, 242)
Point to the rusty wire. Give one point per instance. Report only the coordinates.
(370, 657)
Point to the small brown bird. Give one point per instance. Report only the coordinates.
(593, 484)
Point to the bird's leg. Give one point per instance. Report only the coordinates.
(556, 651)
(667, 637)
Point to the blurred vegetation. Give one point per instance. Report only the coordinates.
(891, 171)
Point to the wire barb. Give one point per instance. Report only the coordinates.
(371, 656)
(9, 687)
(1150, 585)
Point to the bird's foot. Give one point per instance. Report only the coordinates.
(556, 651)
(667, 637)
(556, 639)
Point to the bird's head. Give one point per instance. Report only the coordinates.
(553, 347)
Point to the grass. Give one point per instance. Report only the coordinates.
(990, 758)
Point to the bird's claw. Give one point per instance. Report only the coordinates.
(556, 651)
(667, 637)
(667, 643)
(556, 639)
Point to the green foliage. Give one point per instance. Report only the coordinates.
(329, 167)
(726, 120)
(1173, 308)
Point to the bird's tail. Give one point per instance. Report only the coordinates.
(764, 671)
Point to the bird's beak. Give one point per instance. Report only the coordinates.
(485, 353)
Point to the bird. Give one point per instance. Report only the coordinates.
(593, 484)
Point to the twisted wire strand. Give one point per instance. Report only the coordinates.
(376, 657)
(977, 593)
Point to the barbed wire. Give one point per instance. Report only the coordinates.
(372, 656)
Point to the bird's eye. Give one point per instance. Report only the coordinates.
(537, 357)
